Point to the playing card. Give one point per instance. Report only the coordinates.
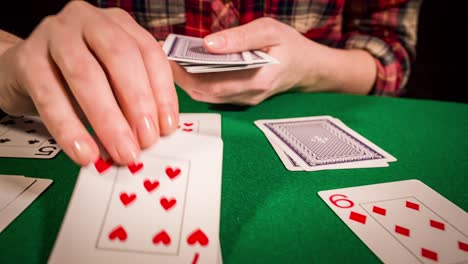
(200, 124)
(288, 162)
(317, 143)
(224, 68)
(403, 222)
(164, 209)
(11, 186)
(26, 137)
(190, 49)
(189, 53)
(16, 194)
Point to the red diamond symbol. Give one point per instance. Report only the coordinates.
(402, 231)
(437, 225)
(412, 205)
(357, 217)
(379, 210)
(429, 254)
(463, 246)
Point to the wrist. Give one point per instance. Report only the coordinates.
(339, 70)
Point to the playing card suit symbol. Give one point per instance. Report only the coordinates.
(167, 204)
(34, 141)
(197, 237)
(172, 173)
(102, 165)
(127, 199)
(135, 167)
(162, 237)
(360, 218)
(150, 185)
(4, 140)
(119, 233)
(188, 124)
(187, 129)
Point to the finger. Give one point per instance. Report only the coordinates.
(120, 56)
(44, 84)
(89, 85)
(258, 34)
(157, 67)
(238, 87)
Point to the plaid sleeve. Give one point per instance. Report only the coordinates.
(387, 30)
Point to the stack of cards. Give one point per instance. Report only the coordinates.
(16, 194)
(163, 209)
(403, 222)
(321, 143)
(189, 53)
(26, 137)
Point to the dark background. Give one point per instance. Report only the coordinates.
(438, 72)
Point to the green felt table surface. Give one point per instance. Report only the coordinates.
(269, 214)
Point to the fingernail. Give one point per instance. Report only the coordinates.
(169, 122)
(83, 152)
(215, 41)
(146, 131)
(127, 151)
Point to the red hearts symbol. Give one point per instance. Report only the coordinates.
(187, 129)
(150, 185)
(127, 199)
(188, 124)
(172, 173)
(198, 236)
(102, 165)
(162, 237)
(167, 204)
(135, 167)
(119, 232)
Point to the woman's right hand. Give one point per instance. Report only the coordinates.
(87, 64)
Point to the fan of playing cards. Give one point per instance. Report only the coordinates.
(189, 53)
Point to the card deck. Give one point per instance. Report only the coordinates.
(164, 209)
(403, 222)
(16, 194)
(190, 54)
(319, 143)
(26, 137)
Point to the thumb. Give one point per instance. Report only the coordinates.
(258, 34)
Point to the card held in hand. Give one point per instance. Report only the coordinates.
(403, 222)
(164, 209)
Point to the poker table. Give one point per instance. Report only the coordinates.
(269, 214)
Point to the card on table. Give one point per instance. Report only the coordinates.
(403, 221)
(321, 142)
(162, 210)
(190, 54)
(16, 194)
(200, 124)
(26, 137)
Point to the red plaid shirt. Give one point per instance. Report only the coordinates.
(384, 28)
